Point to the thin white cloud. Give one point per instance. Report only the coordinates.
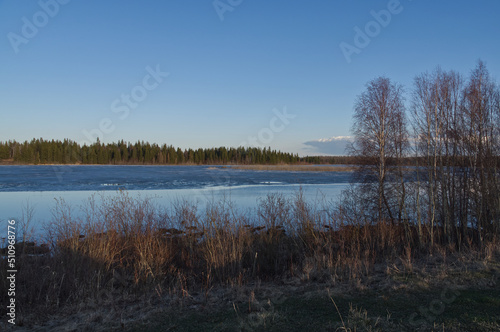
(334, 145)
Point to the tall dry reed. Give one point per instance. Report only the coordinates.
(119, 244)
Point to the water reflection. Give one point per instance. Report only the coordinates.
(13, 205)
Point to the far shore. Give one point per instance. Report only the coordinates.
(298, 168)
(257, 167)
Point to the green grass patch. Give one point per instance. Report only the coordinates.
(401, 310)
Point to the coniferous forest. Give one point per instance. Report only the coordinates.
(39, 151)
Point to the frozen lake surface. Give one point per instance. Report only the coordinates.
(39, 186)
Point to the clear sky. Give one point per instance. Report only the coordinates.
(251, 72)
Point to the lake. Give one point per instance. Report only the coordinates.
(39, 186)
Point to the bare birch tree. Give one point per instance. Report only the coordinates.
(481, 112)
(380, 136)
(436, 117)
(456, 130)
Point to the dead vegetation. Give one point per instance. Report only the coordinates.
(297, 168)
(126, 250)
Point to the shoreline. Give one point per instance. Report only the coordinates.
(256, 167)
(299, 168)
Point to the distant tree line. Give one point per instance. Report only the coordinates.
(333, 160)
(39, 151)
(451, 133)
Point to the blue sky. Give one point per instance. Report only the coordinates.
(261, 73)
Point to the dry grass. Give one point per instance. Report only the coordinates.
(297, 168)
(124, 247)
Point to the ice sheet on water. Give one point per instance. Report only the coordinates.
(97, 178)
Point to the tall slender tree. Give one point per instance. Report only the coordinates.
(481, 114)
(380, 136)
